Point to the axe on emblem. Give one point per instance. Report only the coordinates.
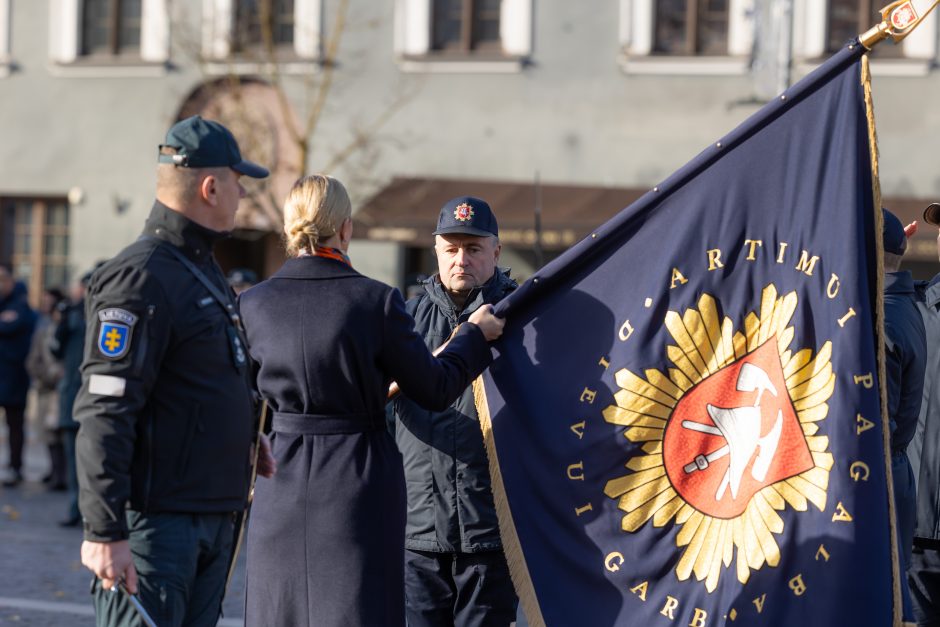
(740, 427)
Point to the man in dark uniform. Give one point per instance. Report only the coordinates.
(924, 453)
(905, 359)
(455, 569)
(165, 408)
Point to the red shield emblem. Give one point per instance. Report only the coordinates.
(463, 212)
(733, 434)
(903, 16)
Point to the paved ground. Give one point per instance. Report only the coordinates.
(42, 582)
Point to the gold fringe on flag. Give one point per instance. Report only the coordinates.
(518, 569)
(880, 340)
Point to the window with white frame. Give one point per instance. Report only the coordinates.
(687, 29)
(263, 28)
(110, 28)
(465, 26)
(691, 27)
(820, 28)
(848, 18)
(257, 30)
(5, 60)
(104, 31)
(432, 30)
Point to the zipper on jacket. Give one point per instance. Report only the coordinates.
(149, 412)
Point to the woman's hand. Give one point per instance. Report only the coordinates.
(491, 326)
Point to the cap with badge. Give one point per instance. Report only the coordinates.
(467, 215)
(203, 143)
(895, 241)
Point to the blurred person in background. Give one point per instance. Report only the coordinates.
(17, 321)
(46, 373)
(68, 346)
(241, 279)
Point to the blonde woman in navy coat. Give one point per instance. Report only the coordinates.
(326, 540)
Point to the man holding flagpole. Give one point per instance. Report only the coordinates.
(455, 569)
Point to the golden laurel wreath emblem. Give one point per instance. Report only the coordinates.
(728, 437)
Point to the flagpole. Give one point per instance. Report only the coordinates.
(899, 19)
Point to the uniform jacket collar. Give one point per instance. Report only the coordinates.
(490, 292)
(171, 226)
(310, 267)
(900, 282)
(929, 291)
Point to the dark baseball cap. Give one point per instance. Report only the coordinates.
(469, 215)
(893, 234)
(932, 214)
(207, 144)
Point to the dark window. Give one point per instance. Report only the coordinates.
(849, 18)
(34, 236)
(263, 25)
(691, 27)
(465, 26)
(111, 27)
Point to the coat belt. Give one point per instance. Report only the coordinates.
(327, 424)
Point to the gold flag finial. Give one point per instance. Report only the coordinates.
(898, 20)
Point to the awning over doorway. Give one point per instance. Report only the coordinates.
(406, 210)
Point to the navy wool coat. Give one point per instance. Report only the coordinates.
(326, 538)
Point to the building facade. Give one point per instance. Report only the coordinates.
(561, 112)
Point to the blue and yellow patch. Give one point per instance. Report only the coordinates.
(115, 332)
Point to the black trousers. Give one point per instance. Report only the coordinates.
(924, 577)
(182, 563)
(458, 589)
(15, 421)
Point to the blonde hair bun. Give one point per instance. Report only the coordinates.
(316, 207)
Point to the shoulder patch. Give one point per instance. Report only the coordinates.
(114, 332)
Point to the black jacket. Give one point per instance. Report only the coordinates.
(450, 500)
(906, 355)
(924, 450)
(17, 321)
(166, 419)
(68, 346)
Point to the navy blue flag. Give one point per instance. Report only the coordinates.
(684, 417)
